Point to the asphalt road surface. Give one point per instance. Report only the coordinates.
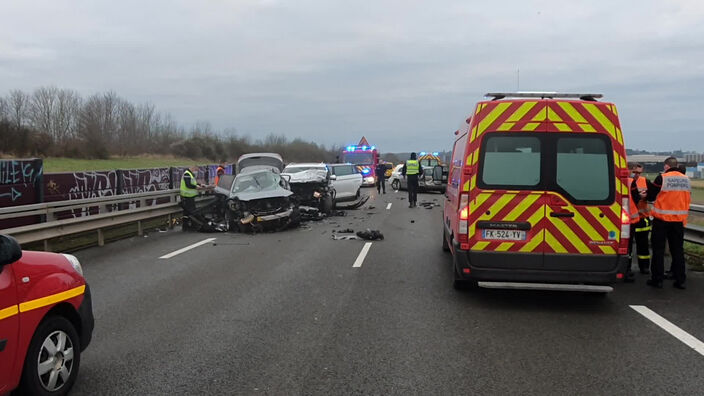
(289, 313)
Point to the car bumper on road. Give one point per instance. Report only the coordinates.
(592, 271)
(85, 312)
(276, 216)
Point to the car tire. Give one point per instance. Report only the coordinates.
(327, 205)
(54, 339)
(396, 185)
(445, 245)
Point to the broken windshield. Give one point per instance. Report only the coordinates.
(256, 182)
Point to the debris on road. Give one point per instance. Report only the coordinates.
(338, 237)
(371, 235)
(352, 205)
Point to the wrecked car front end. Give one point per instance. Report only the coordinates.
(312, 189)
(261, 201)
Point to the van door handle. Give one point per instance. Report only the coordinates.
(562, 214)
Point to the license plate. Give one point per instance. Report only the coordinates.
(504, 235)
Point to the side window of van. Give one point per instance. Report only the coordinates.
(511, 161)
(583, 167)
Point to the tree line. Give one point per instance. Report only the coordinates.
(61, 123)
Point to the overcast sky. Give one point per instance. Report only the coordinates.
(403, 73)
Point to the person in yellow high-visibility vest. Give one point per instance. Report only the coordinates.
(188, 192)
(411, 171)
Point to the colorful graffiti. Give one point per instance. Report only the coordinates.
(145, 180)
(20, 184)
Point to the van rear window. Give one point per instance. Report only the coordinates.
(511, 161)
(583, 168)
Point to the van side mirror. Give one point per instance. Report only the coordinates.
(333, 177)
(10, 250)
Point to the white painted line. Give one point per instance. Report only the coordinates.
(187, 248)
(388, 206)
(362, 255)
(666, 325)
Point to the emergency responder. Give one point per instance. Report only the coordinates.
(219, 172)
(671, 192)
(189, 191)
(411, 170)
(640, 220)
(380, 177)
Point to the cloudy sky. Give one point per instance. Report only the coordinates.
(403, 73)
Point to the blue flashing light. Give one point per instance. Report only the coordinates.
(422, 153)
(373, 148)
(364, 148)
(366, 171)
(435, 153)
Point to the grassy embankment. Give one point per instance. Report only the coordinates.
(57, 164)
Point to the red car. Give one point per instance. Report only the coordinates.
(46, 320)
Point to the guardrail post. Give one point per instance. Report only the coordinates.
(47, 246)
(101, 237)
(140, 230)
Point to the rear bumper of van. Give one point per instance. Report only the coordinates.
(526, 267)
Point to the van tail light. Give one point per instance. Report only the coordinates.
(463, 229)
(625, 227)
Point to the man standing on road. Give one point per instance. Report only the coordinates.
(380, 177)
(671, 192)
(189, 191)
(640, 220)
(411, 170)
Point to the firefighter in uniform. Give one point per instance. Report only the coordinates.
(671, 192)
(640, 220)
(411, 170)
(189, 191)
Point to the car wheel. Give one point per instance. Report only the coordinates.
(445, 245)
(396, 185)
(53, 358)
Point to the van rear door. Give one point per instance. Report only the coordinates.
(583, 216)
(507, 206)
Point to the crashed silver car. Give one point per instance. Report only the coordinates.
(259, 198)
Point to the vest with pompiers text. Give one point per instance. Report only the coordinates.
(672, 202)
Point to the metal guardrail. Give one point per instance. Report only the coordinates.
(692, 232)
(92, 214)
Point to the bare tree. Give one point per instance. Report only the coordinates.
(41, 110)
(4, 110)
(65, 118)
(19, 107)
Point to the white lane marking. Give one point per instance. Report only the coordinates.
(666, 325)
(362, 255)
(388, 206)
(187, 248)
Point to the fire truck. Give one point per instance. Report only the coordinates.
(365, 157)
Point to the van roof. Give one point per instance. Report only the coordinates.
(544, 95)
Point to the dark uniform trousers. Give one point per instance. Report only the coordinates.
(639, 234)
(412, 188)
(671, 232)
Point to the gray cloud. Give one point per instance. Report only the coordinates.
(403, 73)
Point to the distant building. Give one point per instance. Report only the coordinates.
(694, 157)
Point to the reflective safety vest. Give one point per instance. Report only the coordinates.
(633, 212)
(643, 208)
(672, 202)
(217, 174)
(188, 192)
(412, 167)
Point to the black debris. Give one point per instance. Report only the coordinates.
(371, 235)
(413, 221)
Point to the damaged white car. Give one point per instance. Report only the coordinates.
(311, 185)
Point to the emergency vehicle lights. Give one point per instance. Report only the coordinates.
(362, 148)
(365, 171)
(435, 153)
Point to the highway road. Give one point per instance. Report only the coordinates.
(290, 313)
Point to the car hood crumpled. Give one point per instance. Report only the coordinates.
(309, 176)
(251, 196)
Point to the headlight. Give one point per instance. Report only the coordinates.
(74, 263)
(369, 179)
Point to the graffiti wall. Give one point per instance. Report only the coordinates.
(23, 182)
(144, 180)
(79, 185)
(20, 184)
